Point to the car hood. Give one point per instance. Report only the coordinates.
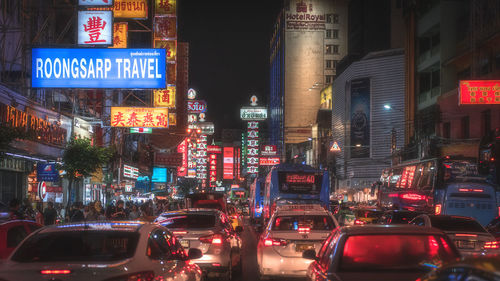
(380, 276)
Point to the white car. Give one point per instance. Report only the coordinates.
(470, 237)
(291, 230)
(107, 251)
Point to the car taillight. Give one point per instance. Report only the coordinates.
(274, 242)
(56, 271)
(438, 209)
(138, 276)
(499, 211)
(412, 196)
(304, 229)
(491, 245)
(359, 222)
(215, 239)
(179, 232)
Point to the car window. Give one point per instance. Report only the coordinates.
(15, 235)
(316, 222)
(418, 221)
(188, 221)
(325, 259)
(158, 246)
(325, 244)
(456, 224)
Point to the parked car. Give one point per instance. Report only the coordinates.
(107, 251)
(12, 233)
(210, 231)
(470, 269)
(470, 237)
(398, 216)
(208, 200)
(292, 229)
(380, 252)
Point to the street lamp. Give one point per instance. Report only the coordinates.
(390, 107)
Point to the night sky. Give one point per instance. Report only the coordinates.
(228, 53)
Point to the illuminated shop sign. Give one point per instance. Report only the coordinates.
(252, 147)
(268, 150)
(170, 47)
(95, 2)
(269, 161)
(141, 130)
(130, 9)
(120, 35)
(228, 162)
(197, 106)
(165, 97)
(214, 149)
(165, 7)
(253, 113)
(183, 150)
(207, 128)
(130, 172)
(479, 92)
(139, 117)
(95, 28)
(98, 68)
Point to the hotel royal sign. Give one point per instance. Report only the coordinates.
(479, 92)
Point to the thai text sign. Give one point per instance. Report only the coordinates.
(130, 9)
(165, 97)
(196, 106)
(120, 34)
(98, 68)
(479, 92)
(95, 28)
(149, 117)
(268, 150)
(165, 7)
(253, 113)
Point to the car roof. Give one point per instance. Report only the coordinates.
(98, 225)
(450, 217)
(388, 229)
(191, 211)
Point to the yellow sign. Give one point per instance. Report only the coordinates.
(130, 9)
(165, 7)
(120, 32)
(165, 97)
(170, 47)
(165, 27)
(149, 117)
(172, 119)
(326, 98)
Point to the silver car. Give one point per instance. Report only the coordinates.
(292, 230)
(107, 251)
(470, 237)
(210, 231)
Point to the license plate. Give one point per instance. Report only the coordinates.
(463, 244)
(185, 243)
(303, 247)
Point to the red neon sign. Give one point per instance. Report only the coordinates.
(228, 153)
(479, 92)
(300, 178)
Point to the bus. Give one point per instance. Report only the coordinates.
(255, 199)
(448, 186)
(295, 184)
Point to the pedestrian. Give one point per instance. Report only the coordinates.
(39, 214)
(92, 215)
(86, 211)
(50, 214)
(119, 212)
(77, 214)
(134, 213)
(14, 213)
(27, 210)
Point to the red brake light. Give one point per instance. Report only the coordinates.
(491, 245)
(438, 209)
(465, 235)
(412, 196)
(470, 190)
(268, 242)
(304, 229)
(56, 271)
(215, 239)
(358, 222)
(499, 211)
(274, 242)
(179, 232)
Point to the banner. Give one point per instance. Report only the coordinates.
(170, 47)
(98, 68)
(166, 7)
(479, 92)
(182, 149)
(360, 118)
(95, 28)
(165, 97)
(150, 117)
(120, 35)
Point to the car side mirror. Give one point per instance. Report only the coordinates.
(239, 229)
(309, 255)
(194, 253)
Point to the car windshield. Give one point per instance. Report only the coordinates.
(317, 222)
(188, 221)
(394, 252)
(368, 214)
(456, 224)
(403, 217)
(78, 246)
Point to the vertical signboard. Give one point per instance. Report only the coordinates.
(253, 147)
(120, 35)
(165, 97)
(360, 118)
(170, 47)
(166, 7)
(228, 163)
(95, 28)
(182, 149)
(201, 159)
(191, 165)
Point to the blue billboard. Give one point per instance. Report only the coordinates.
(159, 174)
(46, 172)
(98, 68)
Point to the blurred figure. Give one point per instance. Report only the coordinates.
(92, 214)
(86, 211)
(77, 214)
(98, 207)
(50, 214)
(119, 212)
(27, 210)
(134, 213)
(14, 206)
(39, 214)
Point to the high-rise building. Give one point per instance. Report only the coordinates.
(309, 39)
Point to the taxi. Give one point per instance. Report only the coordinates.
(292, 230)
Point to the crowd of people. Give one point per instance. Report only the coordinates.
(94, 211)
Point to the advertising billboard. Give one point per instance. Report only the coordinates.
(129, 9)
(130, 172)
(165, 97)
(360, 118)
(479, 92)
(253, 113)
(196, 106)
(95, 28)
(147, 117)
(159, 174)
(228, 163)
(120, 35)
(305, 16)
(98, 68)
(46, 172)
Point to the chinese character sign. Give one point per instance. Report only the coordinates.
(165, 97)
(165, 27)
(170, 47)
(182, 149)
(136, 9)
(95, 2)
(479, 92)
(228, 163)
(120, 33)
(252, 147)
(202, 160)
(139, 117)
(166, 7)
(95, 28)
(212, 168)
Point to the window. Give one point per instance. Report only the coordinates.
(329, 64)
(446, 130)
(15, 235)
(335, 34)
(465, 127)
(329, 33)
(335, 63)
(335, 49)
(287, 223)
(329, 79)
(329, 18)
(325, 259)
(329, 49)
(335, 18)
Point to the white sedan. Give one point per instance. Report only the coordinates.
(107, 251)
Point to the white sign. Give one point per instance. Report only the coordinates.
(128, 187)
(130, 172)
(191, 94)
(95, 28)
(95, 2)
(253, 113)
